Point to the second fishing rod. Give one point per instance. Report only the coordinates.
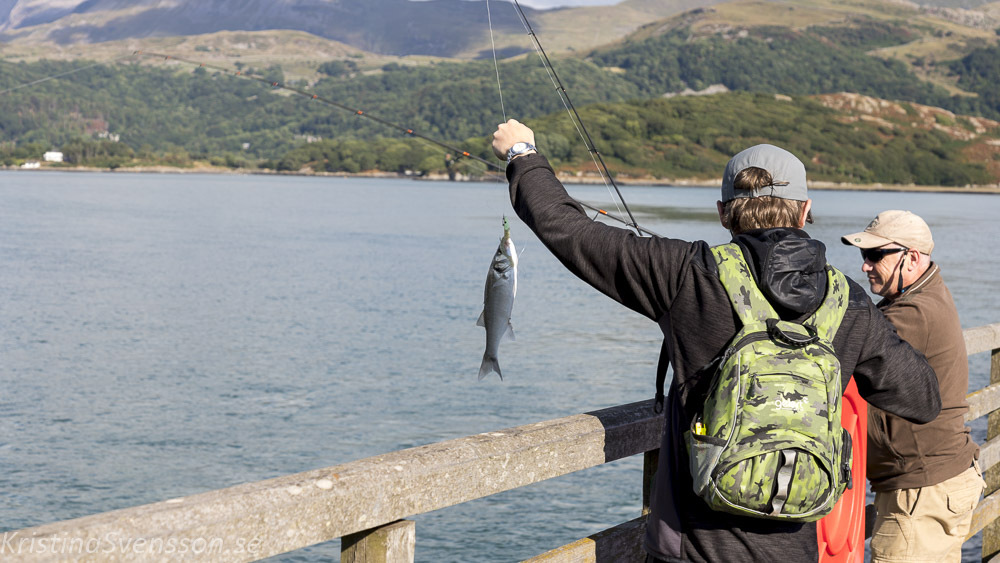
(409, 131)
(575, 116)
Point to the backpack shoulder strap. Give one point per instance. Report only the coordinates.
(749, 303)
(828, 317)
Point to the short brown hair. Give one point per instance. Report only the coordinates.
(763, 212)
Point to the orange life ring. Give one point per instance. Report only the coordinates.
(841, 534)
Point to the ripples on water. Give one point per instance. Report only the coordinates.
(165, 335)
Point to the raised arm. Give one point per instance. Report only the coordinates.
(641, 273)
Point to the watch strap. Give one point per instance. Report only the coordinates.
(523, 148)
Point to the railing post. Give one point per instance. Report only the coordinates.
(392, 543)
(991, 533)
(650, 461)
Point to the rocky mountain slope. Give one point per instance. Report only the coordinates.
(437, 27)
(441, 28)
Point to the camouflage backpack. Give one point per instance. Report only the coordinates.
(768, 442)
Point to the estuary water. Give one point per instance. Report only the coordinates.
(165, 335)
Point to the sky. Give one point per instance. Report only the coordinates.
(544, 4)
(556, 3)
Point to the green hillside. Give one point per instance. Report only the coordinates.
(979, 72)
(695, 136)
(770, 59)
(152, 112)
(459, 100)
(167, 116)
(160, 110)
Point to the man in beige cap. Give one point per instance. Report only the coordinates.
(925, 476)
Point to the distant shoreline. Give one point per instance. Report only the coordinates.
(813, 185)
(590, 179)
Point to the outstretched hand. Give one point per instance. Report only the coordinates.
(509, 133)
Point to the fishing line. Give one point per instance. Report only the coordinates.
(358, 112)
(564, 97)
(61, 74)
(491, 165)
(310, 96)
(496, 65)
(574, 116)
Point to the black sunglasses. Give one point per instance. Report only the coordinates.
(875, 255)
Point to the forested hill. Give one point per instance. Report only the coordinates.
(162, 108)
(860, 53)
(843, 137)
(147, 111)
(840, 137)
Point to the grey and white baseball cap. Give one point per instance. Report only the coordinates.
(787, 171)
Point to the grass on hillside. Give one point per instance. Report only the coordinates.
(695, 136)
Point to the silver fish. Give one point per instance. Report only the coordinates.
(498, 301)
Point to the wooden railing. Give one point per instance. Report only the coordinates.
(986, 402)
(365, 502)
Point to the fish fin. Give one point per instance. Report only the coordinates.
(509, 333)
(482, 319)
(488, 366)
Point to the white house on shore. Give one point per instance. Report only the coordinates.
(53, 156)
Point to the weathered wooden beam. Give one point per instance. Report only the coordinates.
(986, 512)
(989, 454)
(392, 543)
(621, 544)
(982, 339)
(991, 532)
(983, 402)
(295, 511)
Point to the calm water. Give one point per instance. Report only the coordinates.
(164, 335)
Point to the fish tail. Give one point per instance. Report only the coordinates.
(489, 366)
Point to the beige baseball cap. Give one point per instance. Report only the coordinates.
(901, 227)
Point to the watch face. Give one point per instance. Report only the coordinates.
(518, 147)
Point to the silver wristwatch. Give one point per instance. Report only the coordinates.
(519, 149)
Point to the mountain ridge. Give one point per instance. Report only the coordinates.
(398, 27)
(438, 28)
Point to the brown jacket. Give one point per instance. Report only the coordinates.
(903, 455)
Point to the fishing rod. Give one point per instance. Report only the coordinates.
(361, 113)
(575, 117)
(311, 96)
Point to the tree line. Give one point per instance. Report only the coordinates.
(780, 60)
(177, 115)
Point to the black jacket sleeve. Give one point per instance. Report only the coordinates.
(892, 375)
(642, 273)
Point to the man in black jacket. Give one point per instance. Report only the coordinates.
(675, 283)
